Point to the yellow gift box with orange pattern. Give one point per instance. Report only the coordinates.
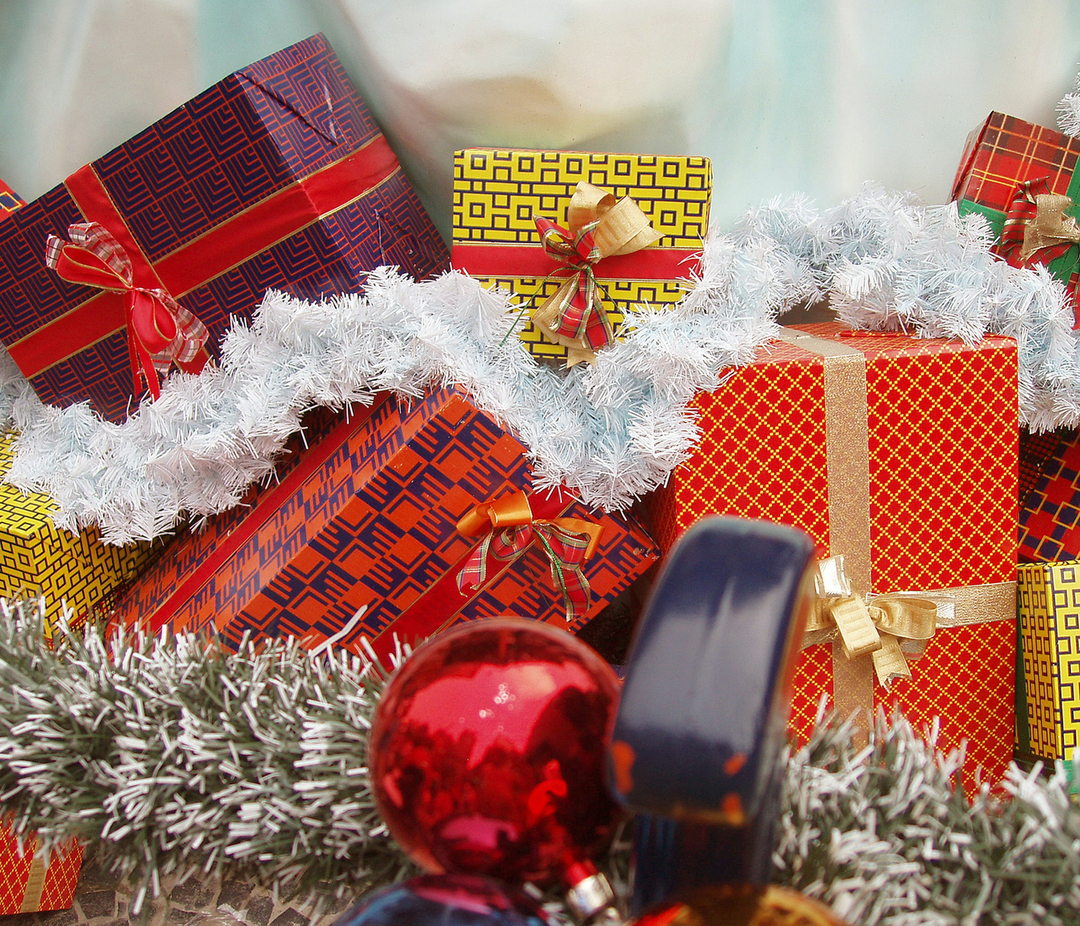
(649, 215)
(40, 560)
(899, 454)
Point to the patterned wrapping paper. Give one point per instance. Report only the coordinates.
(27, 884)
(1005, 152)
(1037, 449)
(367, 516)
(276, 177)
(1048, 719)
(497, 191)
(1050, 515)
(37, 558)
(900, 454)
(9, 201)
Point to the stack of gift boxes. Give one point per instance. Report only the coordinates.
(897, 455)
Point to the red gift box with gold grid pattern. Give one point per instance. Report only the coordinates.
(365, 517)
(900, 454)
(28, 884)
(998, 157)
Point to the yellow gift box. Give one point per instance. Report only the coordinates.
(40, 560)
(1048, 597)
(649, 215)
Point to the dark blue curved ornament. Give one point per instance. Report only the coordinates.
(703, 714)
(446, 900)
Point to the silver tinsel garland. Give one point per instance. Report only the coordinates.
(613, 431)
(167, 755)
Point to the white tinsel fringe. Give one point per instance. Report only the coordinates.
(612, 431)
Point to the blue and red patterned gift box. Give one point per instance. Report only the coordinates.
(275, 177)
(380, 515)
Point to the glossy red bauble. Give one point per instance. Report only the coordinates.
(487, 753)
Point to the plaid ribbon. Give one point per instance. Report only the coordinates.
(507, 528)
(1037, 230)
(577, 302)
(160, 331)
(598, 226)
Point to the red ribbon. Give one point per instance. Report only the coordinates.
(507, 528)
(160, 331)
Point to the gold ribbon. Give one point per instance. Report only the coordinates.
(848, 474)
(875, 624)
(617, 227)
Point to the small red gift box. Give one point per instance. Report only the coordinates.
(1022, 177)
(274, 178)
(898, 453)
(28, 884)
(368, 529)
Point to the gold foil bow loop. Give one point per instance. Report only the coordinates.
(598, 226)
(877, 625)
(1051, 225)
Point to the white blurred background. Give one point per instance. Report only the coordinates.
(811, 96)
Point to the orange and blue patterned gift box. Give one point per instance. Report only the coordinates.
(276, 177)
(899, 454)
(40, 560)
(366, 532)
(29, 883)
(520, 216)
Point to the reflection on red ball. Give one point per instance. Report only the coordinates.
(487, 752)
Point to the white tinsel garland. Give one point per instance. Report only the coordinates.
(613, 431)
(166, 754)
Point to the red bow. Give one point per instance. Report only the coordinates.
(160, 330)
(507, 528)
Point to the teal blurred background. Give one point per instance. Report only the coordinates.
(785, 96)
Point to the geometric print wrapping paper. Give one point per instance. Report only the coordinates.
(1049, 604)
(1050, 514)
(365, 516)
(39, 559)
(27, 885)
(899, 453)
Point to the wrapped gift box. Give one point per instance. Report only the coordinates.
(1050, 515)
(1048, 719)
(39, 559)
(498, 192)
(1000, 156)
(274, 178)
(366, 517)
(900, 454)
(28, 884)
(1037, 449)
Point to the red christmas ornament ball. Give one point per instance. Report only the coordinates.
(486, 753)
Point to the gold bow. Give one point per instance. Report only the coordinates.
(875, 624)
(598, 226)
(1051, 226)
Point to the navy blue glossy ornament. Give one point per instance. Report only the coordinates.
(446, 900)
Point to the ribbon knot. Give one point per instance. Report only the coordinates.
(598, 226)
(1038, 229)
(890, 627)
(506, 528)
(160, 331)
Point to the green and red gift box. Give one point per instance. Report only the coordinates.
(276, 177)
(1010, 172)
(374, 529)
